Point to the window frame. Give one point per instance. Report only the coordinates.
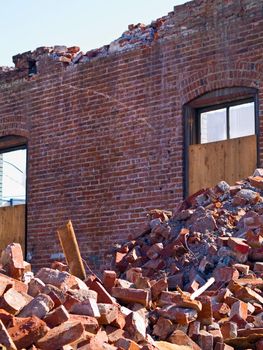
(227, 106)
(215, 98)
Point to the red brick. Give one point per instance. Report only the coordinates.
(61, 280)
(238, 245)
(205, 340)
(56, 317)
(119, 167)
(86, 307)
(136, 327)
(39, 306)
(180, 338)
(5, 339)
(103, 295)
(179, 315)
(127, 344)
(27, 331)
(108, 313)
(228, 330)
(64, 334)
(13, 301)
(90, 323)
(239, 308)
(131, 295)
(163, 328)
(18, 285)
(109, 279)
(13, 261)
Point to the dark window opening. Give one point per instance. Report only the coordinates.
(32, 67)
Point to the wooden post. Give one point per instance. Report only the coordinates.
(71, 251)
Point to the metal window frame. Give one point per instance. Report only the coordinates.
(226, 106)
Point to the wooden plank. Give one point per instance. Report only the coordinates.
(12, 226)
(229, 160)
(71, 251)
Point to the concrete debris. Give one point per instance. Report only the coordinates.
(172, 287)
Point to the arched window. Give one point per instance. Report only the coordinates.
(219, 128)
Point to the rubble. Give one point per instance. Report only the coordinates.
(192, 280)
(138, 35)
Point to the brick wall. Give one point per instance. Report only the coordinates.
(105, 137)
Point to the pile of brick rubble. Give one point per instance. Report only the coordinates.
(139, 35)
(191, 279)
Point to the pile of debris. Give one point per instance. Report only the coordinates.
(203, 267)
(136, 35)
(191, 279)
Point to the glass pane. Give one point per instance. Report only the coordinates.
(242, 120)
(213, 126)
(13, 177)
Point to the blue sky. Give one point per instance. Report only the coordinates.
(28, 24)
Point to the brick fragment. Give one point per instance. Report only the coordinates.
(222, 346)
(90, 323)
(163, 328)
(56, 317)
(131, 295)
(13, 261)
(225, 274)
(114, 334)
(120, 320)
(180, 315)
(17, 285)
(220, 310)
(242, 268)
(193, 330)
(27, 331)
(5, 338)
(61, 280)
(205, 316)
(35, 286)
(39, 307)
(86, 307)
(133, 274)
(217, 335)
(248, 295)
(154, 251)
(6, 318)
(108, 313)
(102, 295)
(127, 344)
(135, 326)
(59, 336)
(13, 301)
(238, 245)
(180, 299)
(180, 338)
(109, 279)
(239, 308)
(258, 267)
(229, 330)
(205, 340)
(58, 296)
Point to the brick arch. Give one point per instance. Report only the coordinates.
(207, 80)
(15, 126)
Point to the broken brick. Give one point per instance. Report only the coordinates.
(59, 336)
